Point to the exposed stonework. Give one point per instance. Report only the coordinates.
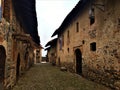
(51, 51)
(93, 49)
(52, 55)
(37, 55)
(16, 47)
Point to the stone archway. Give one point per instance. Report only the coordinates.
(18, 67)
(78, 55)
(2, 65)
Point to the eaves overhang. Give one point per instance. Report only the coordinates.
(70, 17)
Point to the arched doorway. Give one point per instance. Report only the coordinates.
(59, 62)
(18, 67)
(2, 65)
(78, 55)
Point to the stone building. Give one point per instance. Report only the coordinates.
(51, 51)
(89, 41)
(48, 53)
(18, 39)
(38, 55)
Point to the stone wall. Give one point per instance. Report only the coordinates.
(52, 55)
(37, 55)
(103, 64)
(101, 61)
(17, 44)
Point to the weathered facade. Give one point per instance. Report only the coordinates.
(89, 41)
(16, 46)
(38, 55)
(51, 51)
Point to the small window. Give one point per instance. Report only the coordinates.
(92, 20)
(92, 16)
(61, 42)
(83, 41)
(77, 27)
(68, 50)
(118, 21)
(93, 46)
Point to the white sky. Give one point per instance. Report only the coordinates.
(50, 15)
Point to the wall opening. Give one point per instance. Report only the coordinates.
(77, 27)
(59, 62)
(83, 41)
(78, 55)
(61, 42)
(118, 21)
(92, 20)
(93, 46)
(68, 50)
(2, 65)
(92, 15)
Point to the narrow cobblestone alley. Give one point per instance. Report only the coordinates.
(47, 77)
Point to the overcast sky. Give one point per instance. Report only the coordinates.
(50, 15)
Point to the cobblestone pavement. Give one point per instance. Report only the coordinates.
(47, 77)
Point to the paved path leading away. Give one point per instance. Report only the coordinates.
(47, 77)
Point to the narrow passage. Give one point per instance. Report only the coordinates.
(48, 77)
